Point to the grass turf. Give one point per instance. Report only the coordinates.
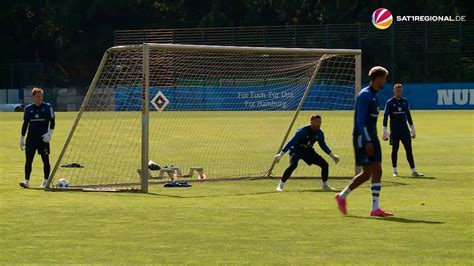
(246, 221)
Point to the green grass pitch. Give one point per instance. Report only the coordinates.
(246, 221)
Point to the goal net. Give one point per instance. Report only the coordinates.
(223, 111)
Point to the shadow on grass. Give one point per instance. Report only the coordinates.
(32, 188)
(387, 183)
(397, 219)
(393, 183)
(210, 196)
(72, 189)
(418, 177)
(242, 194)
(165, 195)
(316, 190)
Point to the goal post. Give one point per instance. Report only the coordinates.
(145, 118)
(298, 109)
(218, 110)
(78, 117)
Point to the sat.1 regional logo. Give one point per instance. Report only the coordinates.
(382, 18)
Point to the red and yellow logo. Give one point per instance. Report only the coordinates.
(382, 18)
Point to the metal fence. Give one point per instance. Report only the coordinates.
(414, 52)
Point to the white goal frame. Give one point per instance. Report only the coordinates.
(145, 47)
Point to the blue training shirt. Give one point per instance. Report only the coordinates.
(399, 112)
(305, 137)
(366, 113)
(38, 119)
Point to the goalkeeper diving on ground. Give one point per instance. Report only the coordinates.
(300, 147)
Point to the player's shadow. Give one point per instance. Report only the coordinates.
(314, 190)
(210, 196)
(36, 188)
(397, 219)
(418, 177)
(164, 195)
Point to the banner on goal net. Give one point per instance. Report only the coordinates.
(251, 98)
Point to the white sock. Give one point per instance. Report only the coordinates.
(345, 192)
(375, 188)
(27, 181)
(375, 202)
(395, 170)
(281, 184)
(324, 184)
(413, 170)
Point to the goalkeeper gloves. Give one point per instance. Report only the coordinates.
(385, 134)
(413, 132)
(334, 157)
(278, 156)
(47, 136)
(22, 142)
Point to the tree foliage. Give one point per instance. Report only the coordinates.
(70, 35)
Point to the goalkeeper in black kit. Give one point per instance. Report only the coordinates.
(38, 120)
(398, 109)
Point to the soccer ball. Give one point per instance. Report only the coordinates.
(62, 184)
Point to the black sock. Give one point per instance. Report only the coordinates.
(46, 166)
(325, 171)
(29, 161)
(395, 146)
(288, 172)
(409, 152)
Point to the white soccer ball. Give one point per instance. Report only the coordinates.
(62, 184)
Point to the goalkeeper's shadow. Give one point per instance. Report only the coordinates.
(210, 196)
(238, 194)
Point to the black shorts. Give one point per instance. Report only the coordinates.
(308, 155)
(37, 145)
(405, 138)
(361, 157)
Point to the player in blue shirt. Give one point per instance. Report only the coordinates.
(368, 153)
(38, 120)
(398, 109)
(301, 148)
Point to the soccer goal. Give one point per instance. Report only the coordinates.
(223, 110)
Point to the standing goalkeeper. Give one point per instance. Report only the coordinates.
(38, 120)
(398, 109)
(301, 147)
